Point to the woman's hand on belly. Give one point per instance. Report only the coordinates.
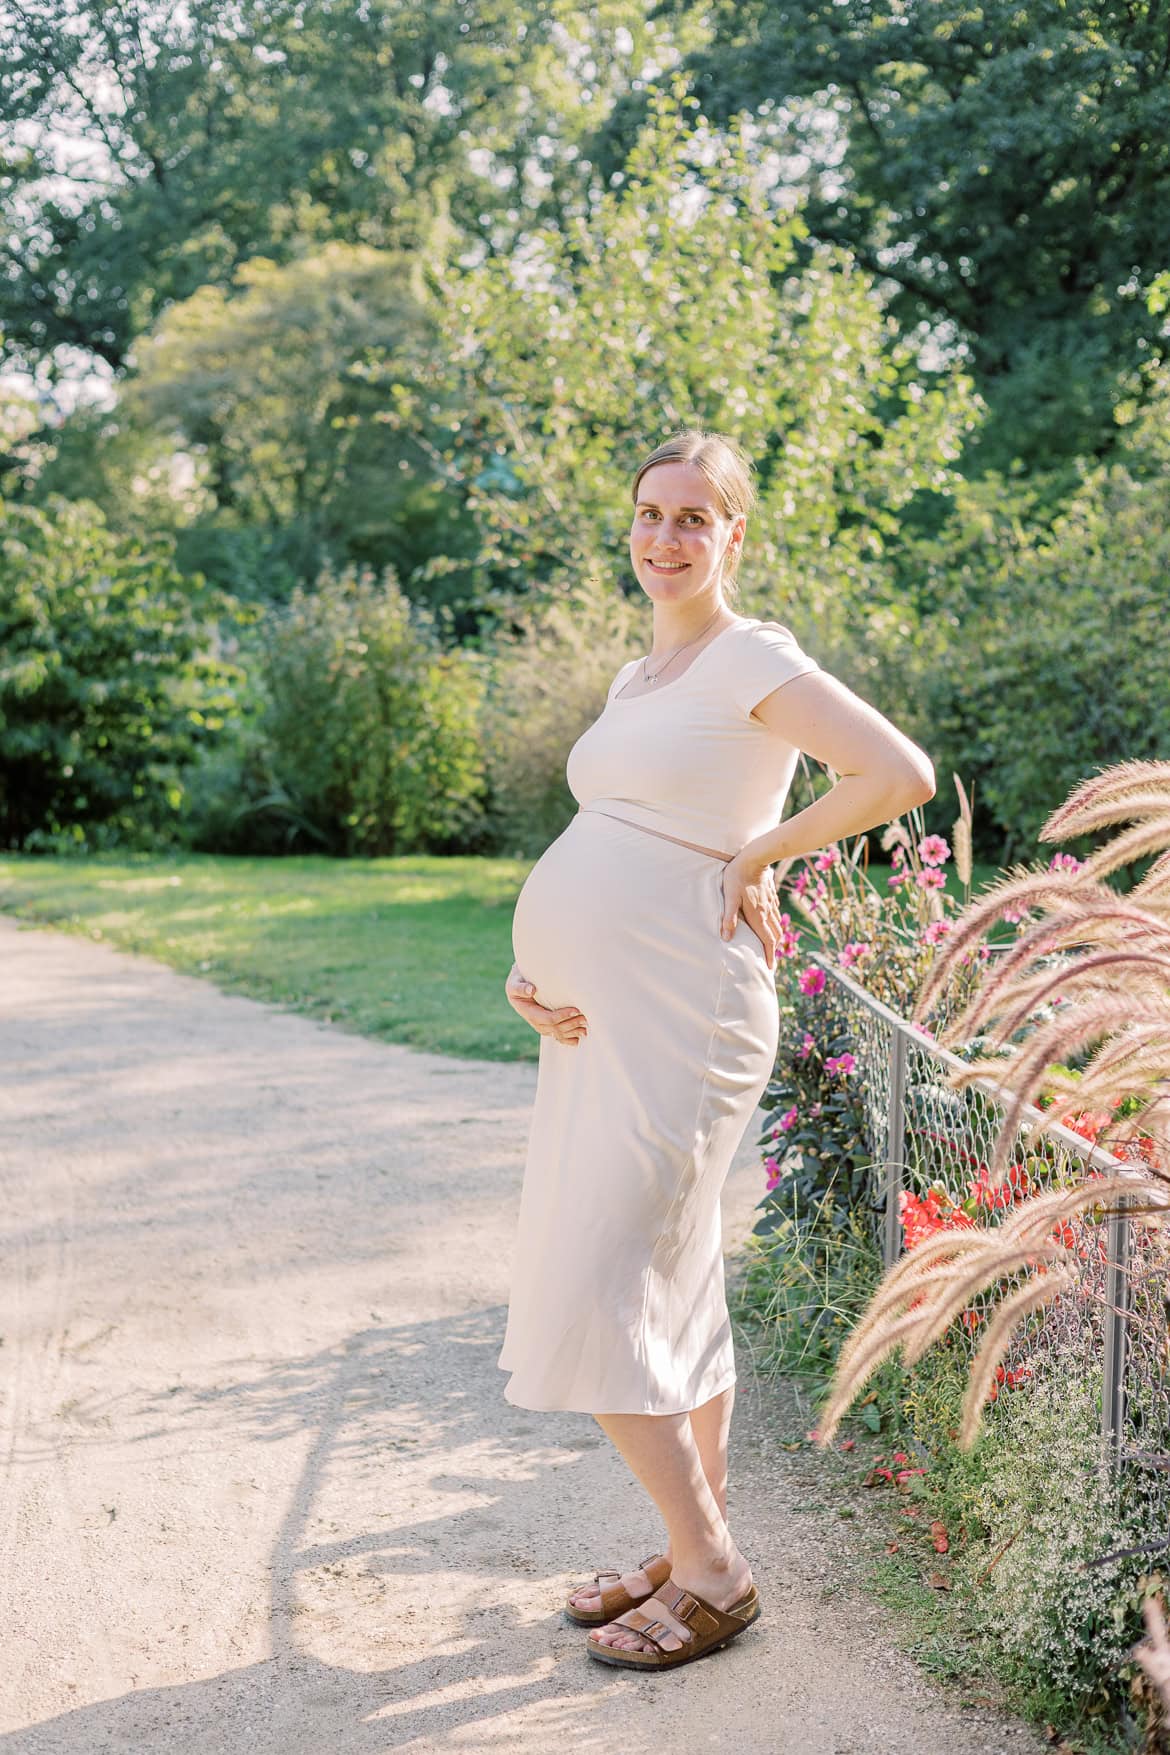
(567, 1023)
(752, 893)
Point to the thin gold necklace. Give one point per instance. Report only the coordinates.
(651, 680)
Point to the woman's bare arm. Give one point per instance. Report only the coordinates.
(882, 773)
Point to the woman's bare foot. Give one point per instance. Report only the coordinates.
(589, 1595)
(721, 1585)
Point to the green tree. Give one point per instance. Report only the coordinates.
(1002, 168)
(151, 150)
(267, 390)
(108, 682)
(683, 299)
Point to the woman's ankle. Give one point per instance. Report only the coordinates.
(708, 1562)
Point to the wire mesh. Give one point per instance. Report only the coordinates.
(931, 1150)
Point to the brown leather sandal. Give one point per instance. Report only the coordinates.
(615, 1599)
(711, 1629)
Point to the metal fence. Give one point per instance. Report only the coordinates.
(1114, 1329)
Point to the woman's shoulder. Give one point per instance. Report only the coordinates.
(770, 630)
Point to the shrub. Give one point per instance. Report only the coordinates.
(1037, 1503)
(548, 684)
(108, 681)
(1045, 655)
(370, 730)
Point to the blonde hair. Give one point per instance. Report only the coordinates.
(726, 466)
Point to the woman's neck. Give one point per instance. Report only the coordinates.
(678, 625)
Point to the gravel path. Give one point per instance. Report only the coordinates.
(262, 1494)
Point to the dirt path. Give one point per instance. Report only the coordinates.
(262, 1492)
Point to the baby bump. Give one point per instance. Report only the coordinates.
(611, 910)
(567, 918)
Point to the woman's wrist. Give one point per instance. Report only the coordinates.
(750, 868)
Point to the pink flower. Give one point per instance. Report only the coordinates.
(840, 1063)
(773, 1169)
(895, 878)
(800, 882)
(935, 930)
(820, 891)
(898, 856)
(811, 981)
(852, 953)
(933, 850)
(789, 1119)
(1015, 915)
(806, 1047)
(929, 878)
(827, 859)
(1065, 862)
(789, 945)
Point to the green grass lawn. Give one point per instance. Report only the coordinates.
(412, 950)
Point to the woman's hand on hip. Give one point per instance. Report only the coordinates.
(750, 890)
(565, 1023)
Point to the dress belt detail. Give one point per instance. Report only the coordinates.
(593, 811)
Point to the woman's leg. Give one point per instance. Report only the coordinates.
(710, 1424)
(663, 1451)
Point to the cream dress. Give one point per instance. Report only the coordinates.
(617, 1298)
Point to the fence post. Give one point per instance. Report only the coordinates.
(1116, 1314)
(895, 1143)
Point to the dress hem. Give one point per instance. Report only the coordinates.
(576, 1408)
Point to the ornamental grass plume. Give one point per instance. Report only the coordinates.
(1154, 1652)
(1088, 978)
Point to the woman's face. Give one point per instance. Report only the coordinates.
(679, 536)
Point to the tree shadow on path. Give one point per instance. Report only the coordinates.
(398, 1448)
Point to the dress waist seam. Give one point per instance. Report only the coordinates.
(592, 810)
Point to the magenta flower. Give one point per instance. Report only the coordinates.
(806, 1047)
(773, 1169)
(828, 859)
(933, 850)
(1065, 862)
(811, 981)
(840, 1063)
(930, 878)
(853, 952)
(789, 1119)
(789, 945)
(895, 878)
(934, 930)
(800, 882)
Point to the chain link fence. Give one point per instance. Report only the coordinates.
(1113, 1328)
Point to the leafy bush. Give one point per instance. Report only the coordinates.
(548, 684)
(108, 681)
(1045, 648)
(370, 730)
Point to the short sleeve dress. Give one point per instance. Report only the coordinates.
(617, 1300)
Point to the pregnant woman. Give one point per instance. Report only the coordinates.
(645, 939)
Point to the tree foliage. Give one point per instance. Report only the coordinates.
(1002, 167)
(152, 150)
(684, 299)
(266, 387)
(108, 682)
